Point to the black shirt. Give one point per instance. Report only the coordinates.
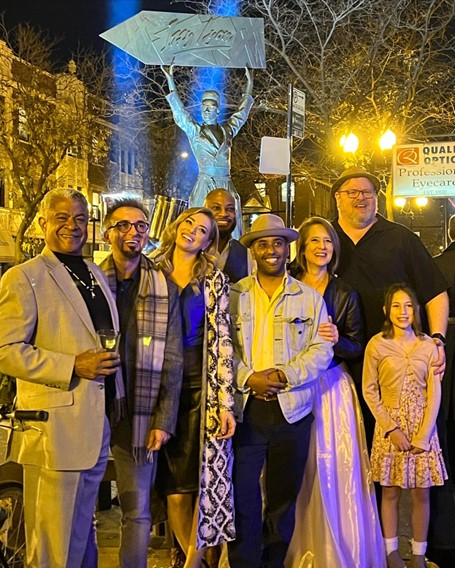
(387, 254)
(97, 305)
(446, 262)
(127, 291)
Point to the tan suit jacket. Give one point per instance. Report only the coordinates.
(44, 324)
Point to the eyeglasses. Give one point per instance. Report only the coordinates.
(354, 193)
(125, 226)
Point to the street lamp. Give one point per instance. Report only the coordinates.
(349, 143)
(421, 201)
(387, 140)
(400, 202)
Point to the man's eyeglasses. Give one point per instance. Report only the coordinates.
(125, 226)
(354, 193)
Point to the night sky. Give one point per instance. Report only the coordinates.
(79, 22)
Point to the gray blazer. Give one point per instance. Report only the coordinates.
(44, 324)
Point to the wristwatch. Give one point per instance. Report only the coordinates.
(440, 337)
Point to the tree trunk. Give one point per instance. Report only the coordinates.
(25, 223)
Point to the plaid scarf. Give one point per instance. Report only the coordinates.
(151, 308)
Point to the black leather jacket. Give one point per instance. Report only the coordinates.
(343, 304)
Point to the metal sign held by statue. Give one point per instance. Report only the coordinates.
(194, 40)
(199, 40)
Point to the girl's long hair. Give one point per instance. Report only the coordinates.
(304, 229)
(206, 261)
(387, 328)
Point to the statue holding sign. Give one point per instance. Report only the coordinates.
(211, 141)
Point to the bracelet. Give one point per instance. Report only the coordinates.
(440, 337)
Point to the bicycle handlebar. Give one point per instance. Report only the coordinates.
(30, 415)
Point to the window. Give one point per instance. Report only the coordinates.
(23, 127)
(2, 193)
(74, 150)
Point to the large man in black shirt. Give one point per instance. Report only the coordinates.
(376, 253)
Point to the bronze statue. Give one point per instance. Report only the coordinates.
(210, 141)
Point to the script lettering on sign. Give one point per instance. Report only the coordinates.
(164, 38)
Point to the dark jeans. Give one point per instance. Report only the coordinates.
(265, 436)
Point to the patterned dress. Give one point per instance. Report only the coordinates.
(208, 461)
(401, 391)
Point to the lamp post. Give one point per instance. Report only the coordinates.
(94, 217)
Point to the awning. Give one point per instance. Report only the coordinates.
(7, 247)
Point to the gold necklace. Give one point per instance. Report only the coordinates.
(93, 282)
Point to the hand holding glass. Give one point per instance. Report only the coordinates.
(108, 340)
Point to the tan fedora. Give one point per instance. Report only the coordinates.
(268, 225)
(355, 172)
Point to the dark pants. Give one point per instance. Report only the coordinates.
(441, 532)
(265, 436)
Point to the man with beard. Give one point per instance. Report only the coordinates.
(235, 260)
(278, 356)
(151, 354)
(376, 253)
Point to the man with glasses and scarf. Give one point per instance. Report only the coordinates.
(151, 354)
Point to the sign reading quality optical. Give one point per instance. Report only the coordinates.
(424, 169)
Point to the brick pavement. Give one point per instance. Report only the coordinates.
(159, 557)
(108, 542)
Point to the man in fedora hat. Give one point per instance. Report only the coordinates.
(278, 356)
(211, 141)
(376, 253)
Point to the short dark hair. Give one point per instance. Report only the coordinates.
(124, 202)
(387, 328)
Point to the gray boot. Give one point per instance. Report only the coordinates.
(394, 560)
(418, 561)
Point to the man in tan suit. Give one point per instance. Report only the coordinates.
(50, 309)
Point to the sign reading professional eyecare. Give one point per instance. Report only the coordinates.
(424, 169)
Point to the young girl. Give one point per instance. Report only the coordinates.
(404, 396)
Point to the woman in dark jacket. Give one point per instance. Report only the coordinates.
(337, 522)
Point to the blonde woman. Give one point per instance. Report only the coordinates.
(195, 466)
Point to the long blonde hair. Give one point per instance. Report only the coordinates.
(206, 260)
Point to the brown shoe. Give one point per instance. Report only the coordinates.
(394, 560)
